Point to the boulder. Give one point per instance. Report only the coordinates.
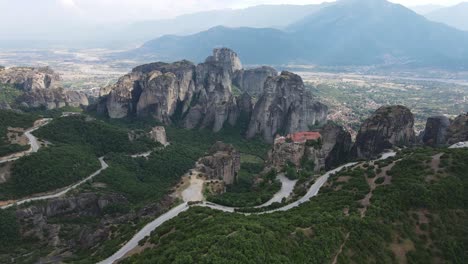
(389, 126)
(435, 133)
(223, 163)
(285, 107)
(158, 134)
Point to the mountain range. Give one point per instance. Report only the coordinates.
(455, 16)
(346, 33)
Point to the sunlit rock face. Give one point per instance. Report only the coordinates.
(201, 96)
(285, 107)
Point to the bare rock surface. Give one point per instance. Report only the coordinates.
(41, 88)
(389, 126)
(435, 133)
(284, 108)
(223, 163)
(201, 96)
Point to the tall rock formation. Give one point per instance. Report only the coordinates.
(458, 130)
(435, 133)
(389, 126)
(200, 96)
(252, 80)
(333, 149)
(41, 87)
(223, 163)
(285, 107)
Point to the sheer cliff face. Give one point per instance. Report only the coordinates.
(252, 80)
(41, 87)
(197, 96)
(389, 126)
(284, 108)
(200, 96)
(458, 130)
(334, 150)
(435, 133)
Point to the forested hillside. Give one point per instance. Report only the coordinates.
(409, 209)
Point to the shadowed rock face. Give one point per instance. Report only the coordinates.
(253, 80)
(435, 133)
(41, 87)
(458, 130)
(389, 126)
(284, 108)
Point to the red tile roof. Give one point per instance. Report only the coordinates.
(301, 137)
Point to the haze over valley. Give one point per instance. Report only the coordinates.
(237, 131)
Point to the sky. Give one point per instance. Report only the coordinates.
(25, 11)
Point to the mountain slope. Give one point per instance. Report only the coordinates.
(350, 32)
(455, 16)
(425, 9)
(263, 16)
(252, 45)
(377, 31)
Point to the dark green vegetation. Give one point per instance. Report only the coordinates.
(9, 229)
(329, 37)
(246, 193)
(421, 213)
(16, 120)
(102, 137)
(8, 94)
(49, 169)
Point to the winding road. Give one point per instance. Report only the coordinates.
(60, 192)
(146, 231)
(35, 146)
(33, 143)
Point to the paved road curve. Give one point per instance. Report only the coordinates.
(146, 231)
(33, 142)
(59, 193)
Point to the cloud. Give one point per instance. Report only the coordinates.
(68, 3)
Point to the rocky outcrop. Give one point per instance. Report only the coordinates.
(252, 81)
(331, 150)
(41, 87)
(337, 143)
(58, 223)
(195, 96)
(158, 134)
(201, 96)
(34, 220)
(284, 108)
(223, 163)
(435, 133)
(28, 79)
(389, 126)
(458, 130)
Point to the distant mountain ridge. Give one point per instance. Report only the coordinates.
(349, 32)
(455, 16)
